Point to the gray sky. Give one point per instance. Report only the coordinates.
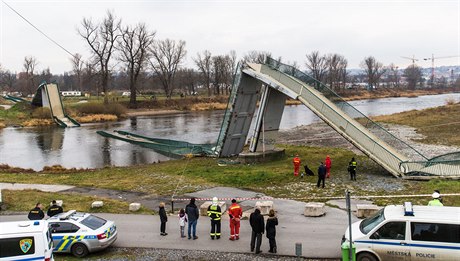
(386, 30)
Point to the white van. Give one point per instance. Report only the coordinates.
(409, 233)
(26, 240)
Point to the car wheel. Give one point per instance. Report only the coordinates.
(365, 256)
(79, 250)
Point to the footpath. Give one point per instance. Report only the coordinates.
(320, 237)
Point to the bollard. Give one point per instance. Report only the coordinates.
(346, 252)
(172, 206)
(298, 249)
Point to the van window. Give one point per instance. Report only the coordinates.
(63, 227)
(369, 223)
(17, 246)
(391, 230)
(447, 233)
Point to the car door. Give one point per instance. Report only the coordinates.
(63, 235)
(389, 241)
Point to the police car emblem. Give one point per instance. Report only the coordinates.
(25, 245)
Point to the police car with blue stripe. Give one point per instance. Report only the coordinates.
(81, 233)
(411, 233)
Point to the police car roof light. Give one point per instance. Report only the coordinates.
(36, 223)
(67, 214)
(408, 209)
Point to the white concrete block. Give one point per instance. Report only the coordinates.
(264, 206)
(314, 209)
(134, 206)
(97, 204)
(366, 210)
(206, 204)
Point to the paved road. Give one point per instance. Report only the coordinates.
(320, 237)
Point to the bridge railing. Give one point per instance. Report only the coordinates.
(228, 110)
(432, 168)
(347, 108)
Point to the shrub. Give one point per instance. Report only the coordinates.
(450, 101)
(41, 113)
(99, 108)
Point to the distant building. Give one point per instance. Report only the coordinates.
(71, 93)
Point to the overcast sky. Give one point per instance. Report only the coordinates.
(386, 30)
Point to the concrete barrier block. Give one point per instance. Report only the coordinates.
(366, 210)
(97, 204)
(134, 206)
(206, 204)
(314, 209)
(264, 206)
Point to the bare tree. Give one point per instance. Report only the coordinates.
(102, 38)
(393, 75)
(317, 64)
(337, 71)
(413, 74)
(29, 64)
(7, 79)
(204, 64)
(256, 56)
(77, 67)
(373, 70)
(167, 56)
(133, 46)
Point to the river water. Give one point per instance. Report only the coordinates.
(83, 148)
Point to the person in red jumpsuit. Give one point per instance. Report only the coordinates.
(296, 162)
(235, 213)
(328, 164)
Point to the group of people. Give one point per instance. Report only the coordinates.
(38, 214)
(191, 213)
(324, 169)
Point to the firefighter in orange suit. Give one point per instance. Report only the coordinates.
(296, 162)
(235, 213)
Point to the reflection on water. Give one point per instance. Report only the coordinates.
(83, 148)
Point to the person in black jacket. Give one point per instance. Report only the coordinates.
(163, 219)
(321, 174)
(54, 209)
(36, 213)
(193, 214)
(272, 222)
(257, 224)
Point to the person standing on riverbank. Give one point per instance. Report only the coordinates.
(182, 220)
(235, 213)
(321, 175)
(328, 164)
(435, 201)
(163, 219)
(352, 169)
(296, 162)
(258, 226)
(272, 222)
(215, 213)
(193, 214)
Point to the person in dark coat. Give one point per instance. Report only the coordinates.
(193, 214)
(258, 226)
(163, 219)
(352, 169)
(37, 212)
(272, 222)
(54, 209)
(321, 174)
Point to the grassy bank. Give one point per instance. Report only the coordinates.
(28, 198)
(438, 125)
(273, 178)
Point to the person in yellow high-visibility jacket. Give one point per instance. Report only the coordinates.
(215, 213)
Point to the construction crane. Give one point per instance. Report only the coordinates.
(413, 59)
(432, 63)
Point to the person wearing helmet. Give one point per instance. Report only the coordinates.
(215, 213)
(435, 201)
(296, 161)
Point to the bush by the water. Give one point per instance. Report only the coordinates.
(99, 108)
(41, 113)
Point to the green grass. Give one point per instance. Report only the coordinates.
(273, 178)
(25, 200)
(437, 124)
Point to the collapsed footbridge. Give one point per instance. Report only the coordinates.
(271, 83)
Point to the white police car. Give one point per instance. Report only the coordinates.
(81, 233)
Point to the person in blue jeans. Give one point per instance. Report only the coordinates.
(193, 214)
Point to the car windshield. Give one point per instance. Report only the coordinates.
(93, 222)
(369, 223)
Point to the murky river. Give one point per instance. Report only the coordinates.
(83, 148)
